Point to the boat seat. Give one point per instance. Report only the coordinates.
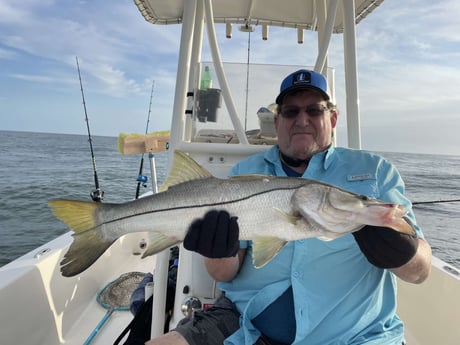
(264, 135)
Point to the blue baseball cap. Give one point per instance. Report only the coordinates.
(303, 79)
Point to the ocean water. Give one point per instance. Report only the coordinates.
(37, 167)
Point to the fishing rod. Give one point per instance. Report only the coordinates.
(434, 201)
(142, 179)
(97, 194)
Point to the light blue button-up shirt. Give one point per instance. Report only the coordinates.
(339, 297)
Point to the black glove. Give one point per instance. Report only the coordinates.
(214, 236)
(385, 247)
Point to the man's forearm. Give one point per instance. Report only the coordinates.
(224, 269)
(418, 268)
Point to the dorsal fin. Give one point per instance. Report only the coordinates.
(184, 168)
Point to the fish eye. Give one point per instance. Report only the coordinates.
(364, 198)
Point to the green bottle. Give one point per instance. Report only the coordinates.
(206, 81)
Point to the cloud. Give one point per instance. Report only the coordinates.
(35, 78)
(407, 61)
(7, 54)
(106, 48)
(12, 13)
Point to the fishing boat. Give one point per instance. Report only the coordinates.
(217, 125)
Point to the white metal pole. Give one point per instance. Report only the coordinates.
(184, 271)
(183, 71)
(324, 38)
(195, 72)
(351, 75)
(221, 74)
(153, 170)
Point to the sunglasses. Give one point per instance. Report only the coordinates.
(291, 111)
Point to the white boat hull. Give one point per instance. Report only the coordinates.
(39, 306)
(431, 311)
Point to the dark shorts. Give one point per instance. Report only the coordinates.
(214, 325)
(211, 326)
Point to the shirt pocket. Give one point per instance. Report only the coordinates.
(367, 187)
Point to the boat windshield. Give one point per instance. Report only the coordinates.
(252, 89)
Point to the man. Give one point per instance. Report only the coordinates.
(313, 292)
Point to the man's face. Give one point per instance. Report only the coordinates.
(301, 136)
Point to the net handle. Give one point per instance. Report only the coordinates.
(99, 326)
(109, 308)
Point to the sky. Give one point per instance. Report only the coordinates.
(408, 65)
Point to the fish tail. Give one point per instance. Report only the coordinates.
(77, 215)
(87, 245)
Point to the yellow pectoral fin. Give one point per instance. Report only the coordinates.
(158, 242)
(265, 249)
(290, 218)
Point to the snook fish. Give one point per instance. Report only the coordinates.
(270, 210)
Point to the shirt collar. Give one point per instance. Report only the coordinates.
(328, 156)
(325, 158)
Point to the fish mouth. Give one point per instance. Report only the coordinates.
(398, 208)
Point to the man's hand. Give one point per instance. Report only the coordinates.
(385, 247)
(214, 236)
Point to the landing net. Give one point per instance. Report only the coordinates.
(117, 294)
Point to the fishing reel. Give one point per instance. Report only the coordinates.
(142, 179)
(97, 195)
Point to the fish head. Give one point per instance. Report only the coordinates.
(337, 210)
